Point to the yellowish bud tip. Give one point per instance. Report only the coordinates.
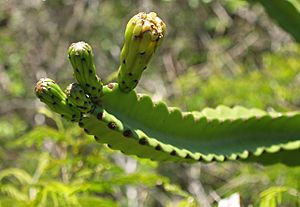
(42, 84)
(148, 23)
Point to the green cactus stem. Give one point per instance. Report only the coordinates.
(77, 97)
(82, 59)
(52, 95)
(135, 125)
(143, 35)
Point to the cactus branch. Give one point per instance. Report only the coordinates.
(133, 124)
(51, 94)
(143, 35)
(82, 59)
(77, 97)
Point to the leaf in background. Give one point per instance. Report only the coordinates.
(21, 175)
(8, 202)
(272, 197)
(42, 165)
(57, 193)
(48, 113)
(148, 179)
(13, 192)
(176, 190)
(96, 201)
(285, 14)
(38, 135)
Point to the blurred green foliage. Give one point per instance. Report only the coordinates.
(216, 52)
(272, 86)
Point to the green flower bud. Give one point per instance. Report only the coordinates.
(143, 35)
(82, 59)
(52, 95)
(77, 97)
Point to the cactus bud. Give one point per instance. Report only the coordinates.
(82, 59)
(52, 95)
(77, 97)
(143, 34)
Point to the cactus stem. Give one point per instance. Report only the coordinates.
(78, 98)
(51, 94)
(82, 60)
(143, 34)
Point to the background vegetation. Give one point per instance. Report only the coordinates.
(216, 52)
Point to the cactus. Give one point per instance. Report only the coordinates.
(77, 97)
(220, 134)
(133, 124)
(143, 34)
(82, 59)
(52, 95)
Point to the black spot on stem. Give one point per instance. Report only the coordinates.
(112, 125)
(127, 133)
(143, 141)
(188, 156)
(173, 153)
(99, 116)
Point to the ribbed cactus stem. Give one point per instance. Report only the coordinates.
(52, 95)
(143, 35)
(77, 97)
(82, 59)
